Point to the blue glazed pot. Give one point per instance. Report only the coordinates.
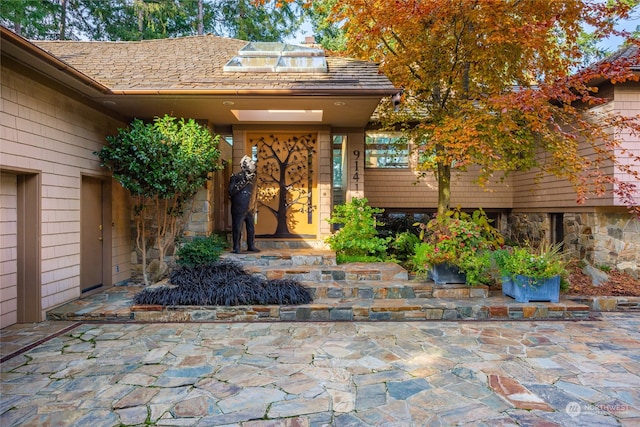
(525, 288)
(443, 274)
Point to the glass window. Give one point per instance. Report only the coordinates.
(338, 142)
(276, 57)
(386, 150)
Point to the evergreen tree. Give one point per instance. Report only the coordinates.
(149, 19)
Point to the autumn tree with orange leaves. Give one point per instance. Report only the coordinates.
(494, 83)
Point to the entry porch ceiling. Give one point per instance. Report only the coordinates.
(337, 111)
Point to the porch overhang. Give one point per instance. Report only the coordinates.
(346, 98)
(350, 109)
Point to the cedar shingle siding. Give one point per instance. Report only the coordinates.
(49, 133)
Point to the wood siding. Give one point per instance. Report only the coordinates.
(8, 250)
(397, 188)
(51, 133)
(553, 194)
(627, 103)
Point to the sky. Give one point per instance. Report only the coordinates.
(610, 44)
(630, 25)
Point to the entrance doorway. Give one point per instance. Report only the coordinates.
(20, 278)
(29, 300)
(287, 184)
(92, 233)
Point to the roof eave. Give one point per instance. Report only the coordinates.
(26, 46)
(251, 92)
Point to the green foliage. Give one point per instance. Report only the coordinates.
(456, 223)
(245, 20)
(167, 158)
(604, 267)
(358, 235)
(403, 248)
(475, 265)
(460, 239)
(421, 258)
(33, 19)
(201, 250)
(477, 268)
(327, 33)
(342, 258)
(150, 19)
(542, 263)
(163, 164)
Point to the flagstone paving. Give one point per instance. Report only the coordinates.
(434, 373)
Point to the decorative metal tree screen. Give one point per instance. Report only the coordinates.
(287, 196)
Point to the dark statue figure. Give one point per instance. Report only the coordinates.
(243, 193)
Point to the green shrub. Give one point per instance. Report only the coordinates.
(540, 263)
(163, 164)
(358, 235)
(475, 265)
(201, 251)
(462, 240)
(346, 259)
(403, 248)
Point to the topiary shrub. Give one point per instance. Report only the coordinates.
(163, 164)
(201, 250)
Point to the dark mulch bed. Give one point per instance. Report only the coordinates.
(223, 283)
(619, 284)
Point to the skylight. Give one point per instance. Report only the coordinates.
(278, 115)
(275, 57)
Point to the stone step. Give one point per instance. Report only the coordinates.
(323, 273)
(272, 258)
(394, 289)
(266, 244)
(410, 309)
(115, 304)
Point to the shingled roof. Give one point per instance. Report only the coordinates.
(196, 64)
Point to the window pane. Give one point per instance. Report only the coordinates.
(386, 150)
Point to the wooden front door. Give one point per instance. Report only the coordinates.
(91, 234)
(287, 184)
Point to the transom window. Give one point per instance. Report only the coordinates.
(386, 150)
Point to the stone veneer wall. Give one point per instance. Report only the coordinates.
(199, 222)
(599, 238)
(532, 228)
(195, 223)
(617, 241)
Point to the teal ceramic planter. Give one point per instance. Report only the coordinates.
(525, 288)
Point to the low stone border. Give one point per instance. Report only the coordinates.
(393, 290)
(608, 303)
(381, 310)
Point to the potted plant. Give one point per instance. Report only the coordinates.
(456, 248)
(530, 274)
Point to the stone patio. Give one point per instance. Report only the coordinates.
(349, 292)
